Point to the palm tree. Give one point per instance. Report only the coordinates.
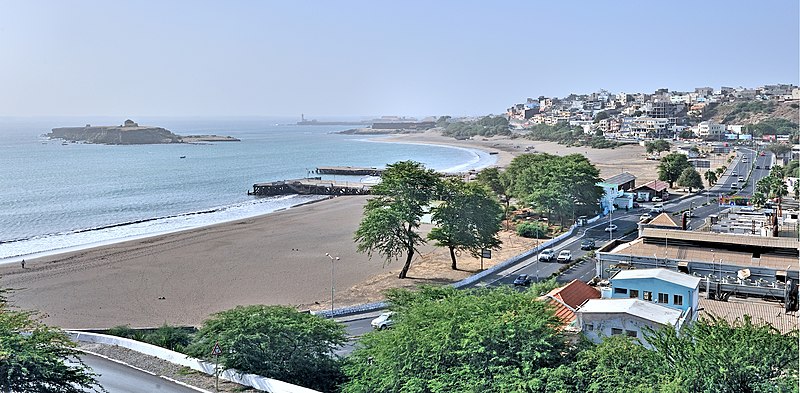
(711, 177)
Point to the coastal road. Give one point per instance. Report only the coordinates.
(118, 378)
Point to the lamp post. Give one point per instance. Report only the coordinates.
(333, 259)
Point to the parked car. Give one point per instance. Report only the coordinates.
(383, 321)
(587, 244)
(657, 199)
(564, 256)
(645, 217)
(611, 228)
(758, 166)
(547, 255)
(523, 280)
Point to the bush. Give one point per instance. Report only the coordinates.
(170, 337)
(532, 230)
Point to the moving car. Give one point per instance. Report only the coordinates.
(547, 255)
(587, 244)
(733, 173)
(383, 321)
(564, 256)
(657, 208)
(734, 186)
(611, 228)
(741, 179)
(761, 154)
(523, 280)
(645, 217)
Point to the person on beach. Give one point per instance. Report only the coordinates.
(22, 263)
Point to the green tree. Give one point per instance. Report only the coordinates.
(448, 340)
(600, 116)
(35, 357)
(276, 342)
(499, 184)
(392, 218)
(656, 146)
(690, 178)
(530, 230)
(671, 167)
(779, 149)
(686, 134)
(467, 219)
(711, 177)
(714, 355)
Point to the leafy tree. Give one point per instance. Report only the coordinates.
(485, 126)
(779, 149)
(719, 171)
(467, 219)
(686, 134)
(276, 342)
(711, 177)
(446, 340)
(656, 146)
(442, 121)
(530, 230)
(671, 167)
(792, 169)
(37, 358)
(392, 218)
(690, 178)
(600, 116)
(499, 184)
(714, 355)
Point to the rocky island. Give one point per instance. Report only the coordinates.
(129, 133)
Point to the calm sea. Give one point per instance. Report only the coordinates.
(56, 197)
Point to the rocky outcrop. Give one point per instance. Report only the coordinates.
(129, 133)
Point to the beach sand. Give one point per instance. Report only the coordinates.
(279, 258)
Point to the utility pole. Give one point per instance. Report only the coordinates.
(333, 259)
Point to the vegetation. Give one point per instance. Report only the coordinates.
(495, 181)
(565, 134)
(742, 109)
(686, 134)
(771, 187)
(35, 357)
(392, 217)
(773, 126)
(447, 340)
(656, 146)
(779, 149)
(672, 166)
(558, 186)
(711, 177)
(468, 219)
(690, 178)
(173, 338)
(485, 126)
(275, 342)
(532, 230)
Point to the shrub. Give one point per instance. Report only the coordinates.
(532, 230)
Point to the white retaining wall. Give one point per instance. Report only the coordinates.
(252, 380)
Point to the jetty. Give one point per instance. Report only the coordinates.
(349, 171)
(310, 186)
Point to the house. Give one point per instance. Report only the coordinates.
(568, 298)
(665, 287)
(614, 189)
(655, 188)
(600, 318)
(646, 127)
(710, 130)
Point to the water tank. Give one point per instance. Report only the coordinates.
(605, 293)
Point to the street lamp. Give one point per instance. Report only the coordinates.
(333, 259)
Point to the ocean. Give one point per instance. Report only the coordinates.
(58, 197)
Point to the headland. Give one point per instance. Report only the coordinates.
(128, 133)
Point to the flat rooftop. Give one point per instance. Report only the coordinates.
(760, 310)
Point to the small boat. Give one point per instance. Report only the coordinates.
(183, 156)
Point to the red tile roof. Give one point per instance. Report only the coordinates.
(565, 300)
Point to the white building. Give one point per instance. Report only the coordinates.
(599, 318)
(710, 130)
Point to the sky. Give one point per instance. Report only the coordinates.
(363, 58)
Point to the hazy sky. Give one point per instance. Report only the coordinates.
(324, 58)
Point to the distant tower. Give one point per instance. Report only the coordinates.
(302, 117)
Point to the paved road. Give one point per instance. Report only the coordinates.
(117, 378)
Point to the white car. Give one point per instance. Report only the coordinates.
(611, 228)
(741, 179)
(547, 255)
(383, 321)
(645, 217)
(564, 256)
(657, 199)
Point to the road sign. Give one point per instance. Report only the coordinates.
(217, 350)
(485, 253)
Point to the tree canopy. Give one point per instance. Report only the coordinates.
(35, 357)
(690, 178)
(392, 217)
(276, 342)
(446, 340)
(711, 177)
(672, 166)
(485, 126)
(467, 218)
(656, 146)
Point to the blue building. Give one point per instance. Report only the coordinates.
(665, 287)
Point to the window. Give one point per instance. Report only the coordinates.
(589, 327)
(663, 298)
(621, 291)
(634, 293)
(616, 331)
(647, 295)
(631, 333)
(677, 300)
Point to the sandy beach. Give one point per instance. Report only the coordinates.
(279, 258)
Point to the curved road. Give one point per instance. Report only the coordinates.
(118, 378)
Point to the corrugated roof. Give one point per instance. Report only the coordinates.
(730, 238)
(575, 293)
(655, 185)
(562, 312)
(635, 307)
(760, 310)
(622, 178)
(664, 220)
(674, 277)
